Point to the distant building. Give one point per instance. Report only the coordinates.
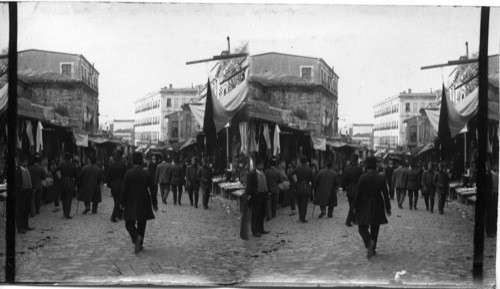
(122, 129)
(389, 129)
(148, 120)
(419, 130)
(175, 112)
(361, 133)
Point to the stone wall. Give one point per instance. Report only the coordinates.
(317, 103)
(75, 98)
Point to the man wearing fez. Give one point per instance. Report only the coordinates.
(350, 179)
(192, 183)
(67, 174)
(204, 176)
(89, 185)
(371, 204)
(326, 184)
(177, 180)
(162, 178)
(429, 187)
(399, 181)
(24, 192)
(138, 201)
(304, 175)
(258, 191)
(116, 173)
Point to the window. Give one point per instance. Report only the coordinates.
(413, 133)
(306, 72)
(184, 100)
(169, 102)
(415, 107)
(67, 69)
(408, 108)
(176, 102)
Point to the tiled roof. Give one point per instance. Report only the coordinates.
(271, 79)
(31, 76)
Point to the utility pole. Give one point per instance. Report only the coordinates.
(482, 128)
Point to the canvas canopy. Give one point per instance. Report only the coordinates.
(459, 114)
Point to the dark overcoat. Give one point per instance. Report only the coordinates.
(372, 199)
(413, 179)
(138, 194)
(116, 173)
(177, 175)
(89, 182)
(350, 179)
(326, 184)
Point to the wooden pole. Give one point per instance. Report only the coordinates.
(482, 128)
(10, 230)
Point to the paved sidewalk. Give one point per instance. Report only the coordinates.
(188, 246)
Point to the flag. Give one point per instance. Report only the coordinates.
(444, 133)
(208, 122)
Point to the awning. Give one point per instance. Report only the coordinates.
(415, 151)
(426, 148)
(81, 139)
(319, 143)
(335, 144)
(466, 109)
(98, 139)
(177, 145)
(189, 142)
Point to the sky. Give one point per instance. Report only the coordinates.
(138, 48)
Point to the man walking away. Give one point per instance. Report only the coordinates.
(138, 201)
(38, 174)
(428, 187)
(441, 180)
(24, 191)
(326, 185)
(257, 190)
(116, 173)
(192, 182)
(162, 178)
(399, 180)
(153, 164)
(68, 176)
(176, 180)
(89, 185)
(304, 175)
(350, 179)
(388, 178)
(205, 178)
(371, 197)
(274, 177)
(413, 185)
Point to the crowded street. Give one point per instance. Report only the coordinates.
(188, 246)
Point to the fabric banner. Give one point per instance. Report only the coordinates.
(39, 137)
(244, 137)
(319, 143)
(225, 108)
(465, 110)
(276, 139)
(81, 140)
(267, 136)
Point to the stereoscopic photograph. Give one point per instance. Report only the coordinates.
(255, 145)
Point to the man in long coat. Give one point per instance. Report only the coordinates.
(350, 179)
(326, 184)
(162, 178)
(89, 186)
(67, 175)
(399, 181)
(192, 182)
(305, 178)
(274, 178)
(116, 173)
(389, 170)
(257, 190)
(138, 201)
(371, 200)
(177, 180)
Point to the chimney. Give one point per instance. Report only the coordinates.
(466, 50)
(409, 90)
(192, 85)
(228, 45)
(431, 89)
(170, 86)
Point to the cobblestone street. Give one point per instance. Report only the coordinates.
(189, 246)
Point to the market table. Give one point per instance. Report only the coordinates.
(215, 184)
(464, 193)
(237, 194)
(229, 187)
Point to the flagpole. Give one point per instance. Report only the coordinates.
(482, 126)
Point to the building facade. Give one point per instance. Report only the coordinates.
(148, 120)
(419, 131)
(122, 129)
(175, 112)
(361, 133)
(67, 82)
(389, 115)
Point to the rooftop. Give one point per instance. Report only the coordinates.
(31, 76)
(406, 95)
(54, 52)
(272, 79)
(293, 55)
